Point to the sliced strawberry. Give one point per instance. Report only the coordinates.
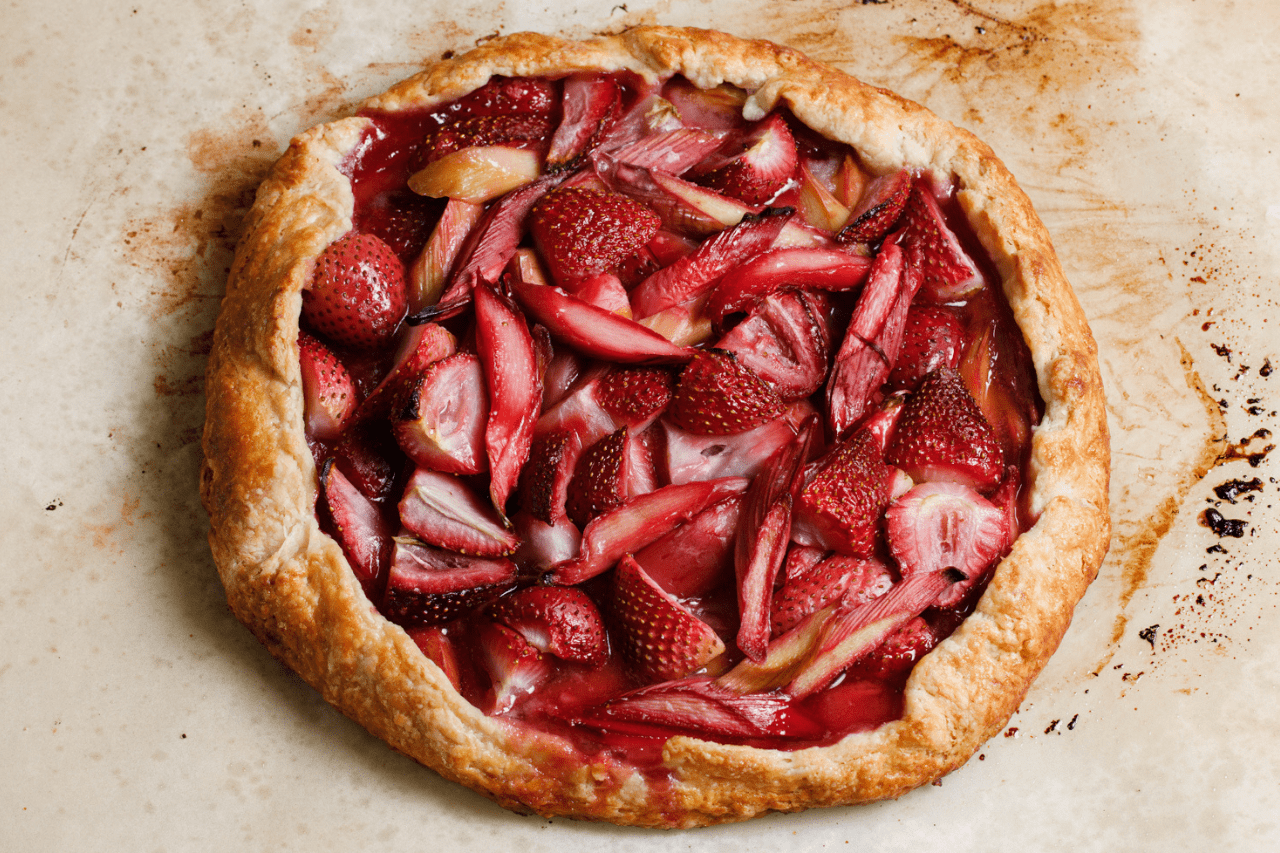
(855, 631)
(581, 232)
(358, 525)
(599, 479)
(825, 582)
(543, 544)
(900, 651)
(522, 130)
(329, 393)
(884, 420)
(419, 347)
(697, 556)
(703, 708)
(605, 290)
(744, 287)
(638, 522)
(634, 396)
(515, 666)
(591, 102)
(879, 208)
(514, 382)
(357, 295)
(763, 534)
(593, 331)
(936, 526)
(441, 510)
(544, 482)
(688, 457)
(431, 586)
(800, 559)
(784, 344)
(369, 457)
(506, 95)
(560, 435)
(433, 266)
(718, 396)
(557, 620)
(699, 272)
(665, 247)
(756, 166)
(436, 643)
(840, 507)
(403, 220)
(942, 435)
(643, 449)
(949, 272)
(933, 338)
(659, 637)
(441, 423)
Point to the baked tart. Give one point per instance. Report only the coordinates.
(662, 429)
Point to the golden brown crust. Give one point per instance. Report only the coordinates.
(289, 583)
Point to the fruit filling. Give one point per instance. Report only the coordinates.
(646, 419)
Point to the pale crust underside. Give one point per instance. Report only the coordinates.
(290, 584)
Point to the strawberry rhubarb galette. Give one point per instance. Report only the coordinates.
(661, 429)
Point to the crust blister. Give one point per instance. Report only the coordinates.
(289, 583)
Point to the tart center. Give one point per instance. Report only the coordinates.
(643, 419)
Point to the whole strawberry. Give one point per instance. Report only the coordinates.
(581, 231)
(357, 296)
(942, 435)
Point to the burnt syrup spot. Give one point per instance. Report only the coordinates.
(1221, 525)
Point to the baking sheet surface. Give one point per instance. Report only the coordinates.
(136, 713)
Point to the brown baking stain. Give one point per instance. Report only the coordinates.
(314, 29)
(102, 536)
(181, 387)
(329, 99)
(128, 507)
(440, 36)
(171, 248)
(184, 252)
(1134, 546)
